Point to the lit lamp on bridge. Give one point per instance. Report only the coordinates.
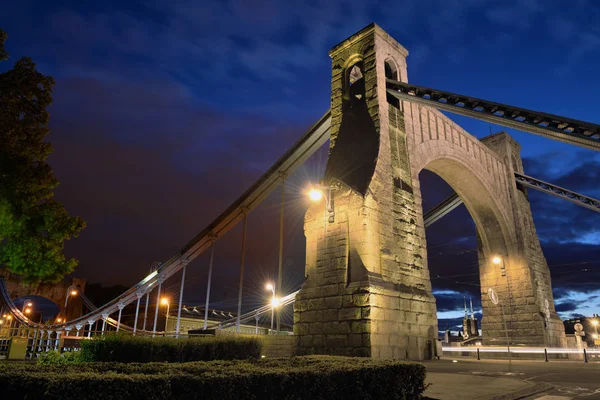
(165, 302)
(317, 192)
(274, 300)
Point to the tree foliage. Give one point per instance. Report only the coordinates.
(33, 226)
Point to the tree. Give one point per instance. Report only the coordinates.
(33, 226)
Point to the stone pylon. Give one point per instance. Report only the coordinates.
(368, 290)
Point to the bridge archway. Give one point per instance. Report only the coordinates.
(495, 236)
(41, 307)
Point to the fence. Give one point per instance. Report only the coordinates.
(537, 352)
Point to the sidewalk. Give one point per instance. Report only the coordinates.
(448, 386)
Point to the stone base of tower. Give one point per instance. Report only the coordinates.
(366, 319)
(524, 329)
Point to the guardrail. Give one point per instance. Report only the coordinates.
(522, 350)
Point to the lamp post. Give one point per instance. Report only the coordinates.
(165, 302)
(271, 287)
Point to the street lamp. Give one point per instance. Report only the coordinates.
(27, 304)
(165, 302)
(271, 287)
(317, 192)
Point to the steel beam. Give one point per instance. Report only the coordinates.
(566, 194)
(567, 130)
(442, 209)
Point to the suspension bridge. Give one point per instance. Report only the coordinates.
(367, 290)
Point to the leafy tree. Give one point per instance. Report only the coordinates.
(33, 226)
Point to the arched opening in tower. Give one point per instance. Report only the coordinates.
(38, 308)
(452, 257)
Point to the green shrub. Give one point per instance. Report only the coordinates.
(56, 358)
(299, 378)
(124, 348)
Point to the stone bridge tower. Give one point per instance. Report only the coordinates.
(368, 290)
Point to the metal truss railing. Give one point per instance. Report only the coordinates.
(442, 209)
(577, 198)
(564, 129)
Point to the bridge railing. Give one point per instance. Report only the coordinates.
(585, 354)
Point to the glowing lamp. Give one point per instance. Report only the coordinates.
(595, 322)
(496, 260)
(28, 311)
(269, 286)
(164, 302)
(315, 194)
(275, 302)
(73, 292)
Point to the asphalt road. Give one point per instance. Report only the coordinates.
(571, 379)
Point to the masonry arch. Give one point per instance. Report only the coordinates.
(480, 177)
(491, 233)
(42, 308)
(462, 175)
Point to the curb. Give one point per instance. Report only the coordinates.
(539, 387)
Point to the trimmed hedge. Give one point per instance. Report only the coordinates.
(298, 378)
(56, 358)
(125, 349)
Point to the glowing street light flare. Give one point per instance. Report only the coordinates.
(30, 304)
(28, 311)
(496, 260)
(58, 320)
(73, 292)
(315, 194)
(275, 302)
(164, 301)
(595, 322)
(269, 286)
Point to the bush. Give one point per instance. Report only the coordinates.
(298, 378)
(56, 358)
(124, 348)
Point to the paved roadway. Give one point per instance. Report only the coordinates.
(571, 379)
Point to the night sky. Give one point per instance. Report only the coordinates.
(166, 111)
